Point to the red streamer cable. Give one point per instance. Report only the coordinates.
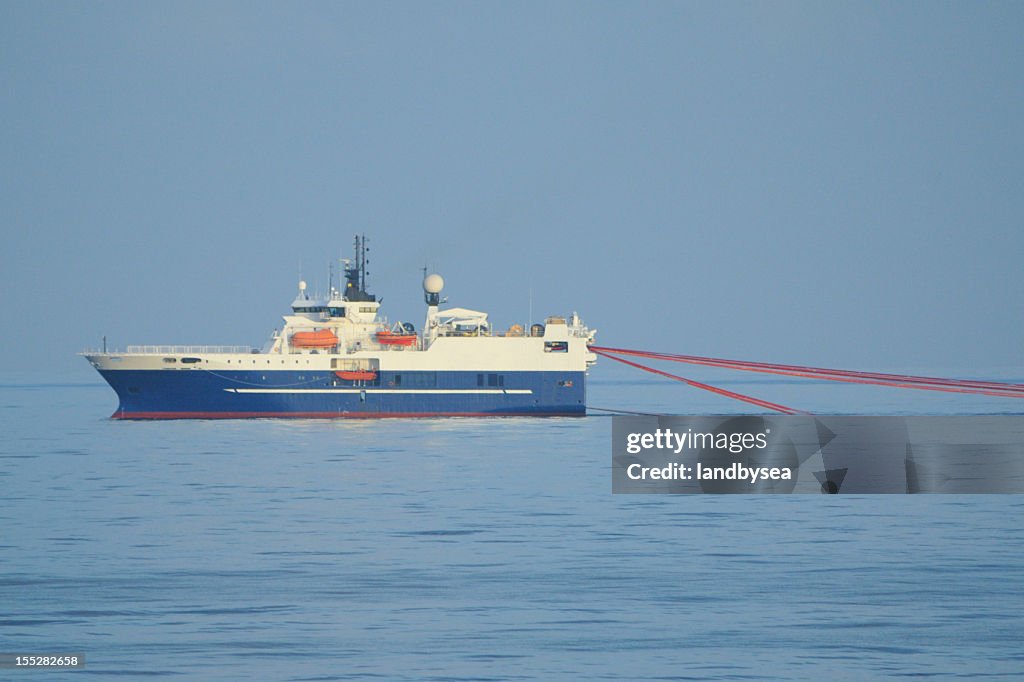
(990, 388)
(706, 387)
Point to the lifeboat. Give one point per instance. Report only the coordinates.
(322, 338)
(387, 337)
(356, 375)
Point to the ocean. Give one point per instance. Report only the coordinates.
(480, 549)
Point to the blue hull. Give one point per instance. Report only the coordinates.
(199, 394)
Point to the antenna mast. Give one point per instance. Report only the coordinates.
(355, 289)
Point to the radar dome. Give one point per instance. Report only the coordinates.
(302, 285)
(432, 284)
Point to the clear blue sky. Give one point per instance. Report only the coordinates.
(836, 183)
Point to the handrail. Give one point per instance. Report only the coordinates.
(158, 350)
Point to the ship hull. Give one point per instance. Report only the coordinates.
(161, 394)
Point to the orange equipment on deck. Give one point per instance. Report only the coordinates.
(322, 338)
(390, 338)
(357, 375)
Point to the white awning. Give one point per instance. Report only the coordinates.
(461, 316)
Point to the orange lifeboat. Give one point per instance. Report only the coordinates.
(387, 337)
(322, 338)
(356, 375)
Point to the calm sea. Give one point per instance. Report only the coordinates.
(474, 549)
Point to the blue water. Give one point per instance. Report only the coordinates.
(474, 549)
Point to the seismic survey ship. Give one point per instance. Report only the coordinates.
(336, 357)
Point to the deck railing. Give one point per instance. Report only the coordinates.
(169, 350)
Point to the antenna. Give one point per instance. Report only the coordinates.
(366, 261)
(530, 323)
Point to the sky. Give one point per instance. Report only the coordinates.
(836, 183)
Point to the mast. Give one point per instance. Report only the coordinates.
(355, 274)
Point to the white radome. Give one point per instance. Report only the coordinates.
(302, 285)
(433, 283)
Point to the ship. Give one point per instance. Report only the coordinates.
(336, 357)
